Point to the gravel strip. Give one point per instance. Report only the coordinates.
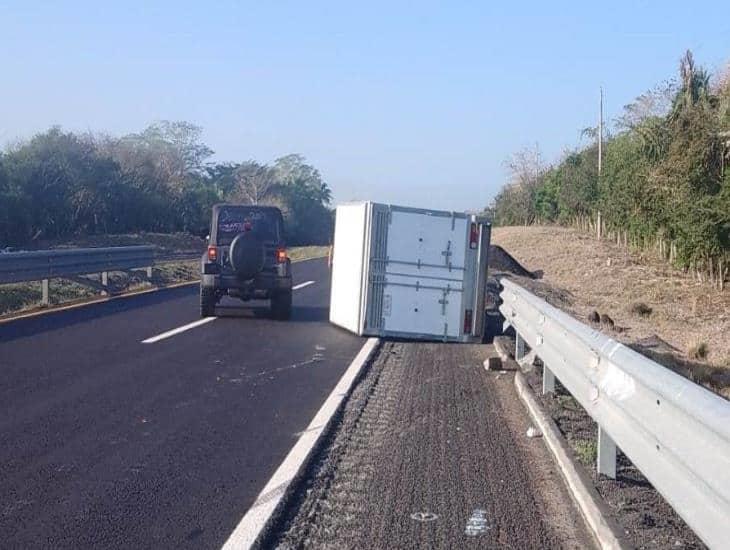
(431, 452)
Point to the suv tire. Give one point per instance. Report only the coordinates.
(281, 305)
(207, 301)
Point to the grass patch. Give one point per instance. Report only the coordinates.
(586, 451)
(640, 309)
(176, 272)
(298, 253)
(567, 402)
(17, 296)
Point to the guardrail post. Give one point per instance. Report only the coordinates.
(548, 380)
(44, 292)
(104, 281)
(519, 347)
(606, 454)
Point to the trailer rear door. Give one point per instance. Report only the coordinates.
(417, 286)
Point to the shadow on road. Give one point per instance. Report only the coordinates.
(300, 314)
(56, 319)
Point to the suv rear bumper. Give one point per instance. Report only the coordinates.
(259, 286)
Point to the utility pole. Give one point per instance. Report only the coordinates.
(600, 133)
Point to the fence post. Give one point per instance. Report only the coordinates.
(548, 380)
(44, 292)
(599, 226)
(606, 454)
(104, 282)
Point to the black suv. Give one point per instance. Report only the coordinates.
(246, 259)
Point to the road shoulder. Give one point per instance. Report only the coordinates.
(431, 451)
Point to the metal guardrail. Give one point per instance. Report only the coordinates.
(47, 264)
(42, 265)
(676, 432)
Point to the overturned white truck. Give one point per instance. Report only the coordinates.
(409, 273)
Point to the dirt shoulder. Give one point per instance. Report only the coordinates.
(654, 308)
(431, 452)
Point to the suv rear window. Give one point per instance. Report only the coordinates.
(262, 222)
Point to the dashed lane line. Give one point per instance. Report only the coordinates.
(302, 285)
(200, 322)
(178, 330)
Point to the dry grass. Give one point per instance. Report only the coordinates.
(699, 351)
(166, 242)
(684, 312)
(298, 253)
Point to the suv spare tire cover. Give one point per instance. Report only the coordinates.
(247, 255)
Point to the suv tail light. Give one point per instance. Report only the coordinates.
(474, 236)
(281, 255)
(212, 254)
(467, 321)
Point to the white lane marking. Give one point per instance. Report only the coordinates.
(199, 322)
(302, 285)
(256, 518)
(178, 330)
(477, 523)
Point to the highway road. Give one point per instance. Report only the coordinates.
(132, 424)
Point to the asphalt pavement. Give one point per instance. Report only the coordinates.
(109, 442)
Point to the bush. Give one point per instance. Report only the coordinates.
(641, 309)
(59, 184)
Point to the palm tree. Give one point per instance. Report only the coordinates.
(695, 85)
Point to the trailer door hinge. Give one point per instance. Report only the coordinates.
(443, 301)
(447, 255)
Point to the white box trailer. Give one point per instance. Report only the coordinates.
(409, 273)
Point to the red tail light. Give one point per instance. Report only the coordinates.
(467, 321)
(212, 253)
(281, 256)
(474, 236)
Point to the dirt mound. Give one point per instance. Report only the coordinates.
(501, 260)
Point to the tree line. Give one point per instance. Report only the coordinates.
(60, 183)
(664, 182)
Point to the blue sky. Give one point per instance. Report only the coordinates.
(413, 103)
